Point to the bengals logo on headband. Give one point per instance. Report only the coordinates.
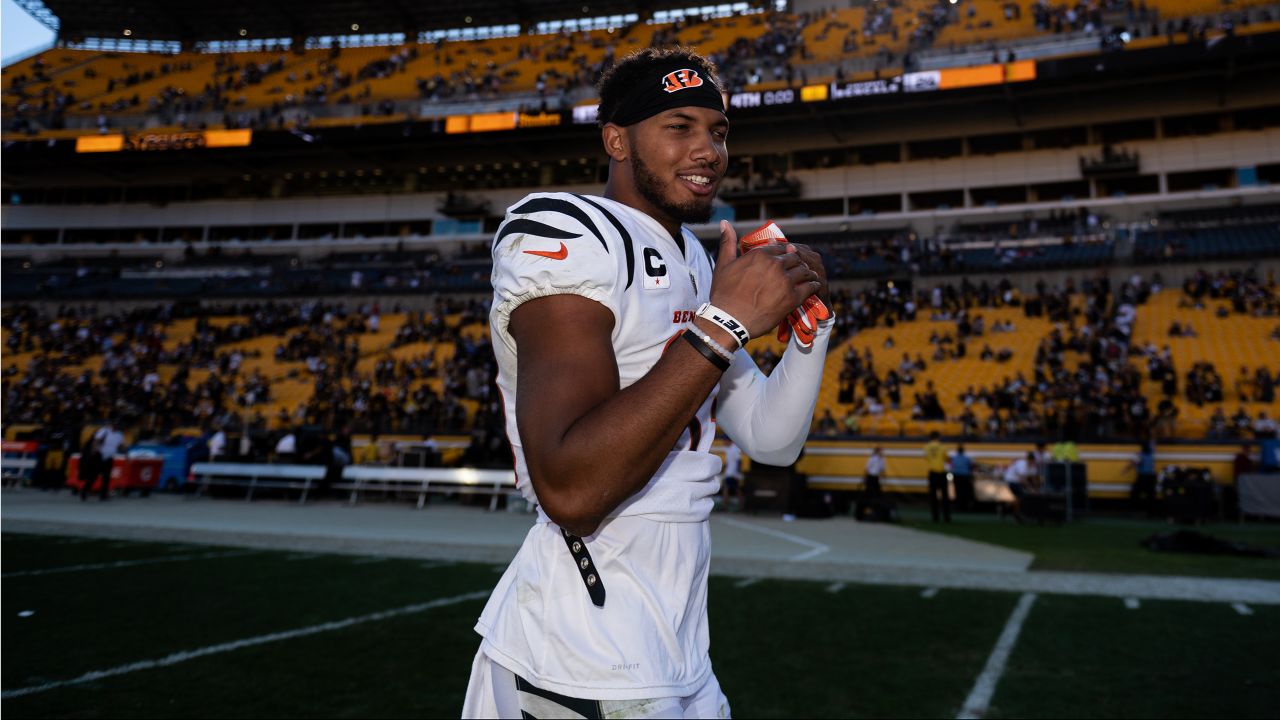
(681, 80)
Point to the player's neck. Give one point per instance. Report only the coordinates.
(627, 194)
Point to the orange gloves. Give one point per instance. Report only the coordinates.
(803, 321)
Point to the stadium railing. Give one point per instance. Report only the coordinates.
(496, 483)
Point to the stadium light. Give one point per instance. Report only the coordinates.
(355, 27)
(243, 32)
(127, 32)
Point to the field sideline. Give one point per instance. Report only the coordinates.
(103, 628)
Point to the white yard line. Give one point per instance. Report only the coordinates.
(1132, 603)
(929, 593)
(746, 582)
(815, 548)
(975, 706)
(834, 588)
(1242, 608)
(181, 657)
(128, 563)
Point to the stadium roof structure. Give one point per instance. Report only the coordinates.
(249, 19)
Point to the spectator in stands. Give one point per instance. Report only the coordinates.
(217, 445)
(1241, 423)
(286, 450)
(1218, 429)
(935, 458)
(370, 453)
(826, 425)
(1264, 388)
(1244, 385)
(1166, 419)
(1264, 428)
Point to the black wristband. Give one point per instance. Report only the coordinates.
(706, 351)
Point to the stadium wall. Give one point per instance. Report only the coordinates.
(1173, 275)
(839, 465)
(1225, 151)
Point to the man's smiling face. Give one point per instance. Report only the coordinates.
(678, 159)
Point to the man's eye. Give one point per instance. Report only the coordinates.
(679, 126)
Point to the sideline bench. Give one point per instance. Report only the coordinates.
(358, 478)
(257, 475)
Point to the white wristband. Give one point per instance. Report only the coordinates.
(726, 321)
(716, 347)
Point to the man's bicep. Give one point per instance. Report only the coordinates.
(566, 366)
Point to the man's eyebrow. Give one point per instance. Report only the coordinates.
(681, 115)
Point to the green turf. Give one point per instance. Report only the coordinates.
(1164, 659)
(791, 649)
(1112, 545)
(780, 648)
(144, 612)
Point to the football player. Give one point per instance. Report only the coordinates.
(620, 348)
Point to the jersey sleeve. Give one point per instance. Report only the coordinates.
(549, 244)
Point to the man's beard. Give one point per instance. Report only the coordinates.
(693, 212)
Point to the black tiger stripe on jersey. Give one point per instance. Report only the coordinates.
(532, 227)
(626, 238)
(585, 708)
(562, 206)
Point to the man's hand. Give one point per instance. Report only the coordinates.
(761, 287)
(811, 258)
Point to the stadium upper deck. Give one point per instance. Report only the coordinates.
(291, 82)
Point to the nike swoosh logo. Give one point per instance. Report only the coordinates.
(560, 254)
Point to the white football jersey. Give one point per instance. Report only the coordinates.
(652, 555)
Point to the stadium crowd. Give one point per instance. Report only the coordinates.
(1095, 393)
(778, 54)
(153, 386)
(1087, 379)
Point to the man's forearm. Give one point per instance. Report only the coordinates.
(611, 452)
(769, 417)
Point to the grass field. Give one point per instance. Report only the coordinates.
(781, 648)
(1108, 544)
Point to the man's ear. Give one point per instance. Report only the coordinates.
(616, 142)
